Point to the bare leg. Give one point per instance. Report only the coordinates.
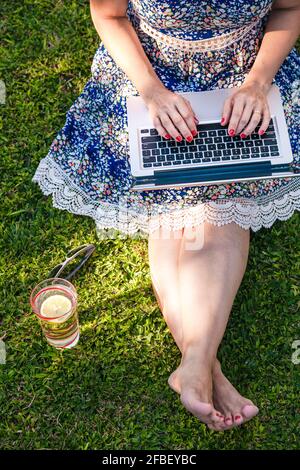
(164, 250)
(165, 254)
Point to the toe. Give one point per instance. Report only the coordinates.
(237, 419)
(249, 411)
(205, 412)
(228, 421)
(217, 425)
(217, 420)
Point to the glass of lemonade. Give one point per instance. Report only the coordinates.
(54, 301)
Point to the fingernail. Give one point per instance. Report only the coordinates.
(237, 417)
(222, 120)
(194, 133)
(243, 136)
(261, 132)
(189, 138)
(179, 138)
(167, 136)
(196, 119)
(231, 132)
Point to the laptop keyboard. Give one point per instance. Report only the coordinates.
(211, 144)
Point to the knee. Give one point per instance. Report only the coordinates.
(234, 240)
(230, 248)
(208, 237)
(171, 308)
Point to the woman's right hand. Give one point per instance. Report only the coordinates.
(171, 114)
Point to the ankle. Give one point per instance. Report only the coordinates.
(196, 352)
(217, 370)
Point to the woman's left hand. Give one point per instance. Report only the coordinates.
(246, 108)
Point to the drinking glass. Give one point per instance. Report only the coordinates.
(54, 301)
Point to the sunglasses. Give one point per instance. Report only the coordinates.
(76, 258)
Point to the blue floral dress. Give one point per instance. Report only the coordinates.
(193, 45)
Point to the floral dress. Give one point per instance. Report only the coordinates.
(193, 45)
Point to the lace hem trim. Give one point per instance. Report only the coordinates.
(202, 45)
(247, 214)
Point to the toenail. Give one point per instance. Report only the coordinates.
(237, 417)
(228, 419)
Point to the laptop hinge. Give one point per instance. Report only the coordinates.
(206, 173)
(281, 167)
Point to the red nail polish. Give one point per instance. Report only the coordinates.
(167, 136)
(231, 132)
(261, 132)
(179, 138)
(189, 138)
(243, 136)
(194, 133)
(222, 120)
(237, 417)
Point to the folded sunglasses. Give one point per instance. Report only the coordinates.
(76, 258)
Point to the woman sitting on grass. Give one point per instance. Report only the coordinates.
(198, 236)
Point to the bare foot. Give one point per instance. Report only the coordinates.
(236, 408)
(192, 380)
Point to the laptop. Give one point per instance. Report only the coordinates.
(213, 157)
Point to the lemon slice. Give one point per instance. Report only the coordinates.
(56, 305)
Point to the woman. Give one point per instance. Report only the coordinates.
(198, 236)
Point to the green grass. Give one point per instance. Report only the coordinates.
(111, 391)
